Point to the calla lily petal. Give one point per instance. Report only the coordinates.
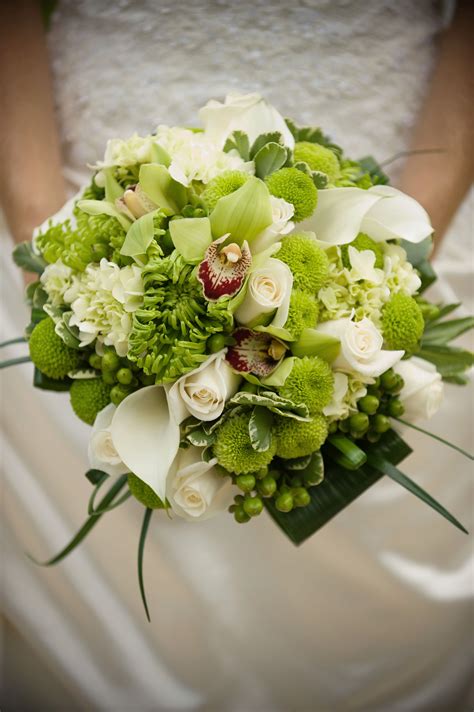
(396, 216)
(146, 437)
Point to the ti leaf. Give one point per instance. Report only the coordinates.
(260, 429)
(25, 257)
(40, 380)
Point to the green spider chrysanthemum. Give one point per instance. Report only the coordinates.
(296, 438)
(303, 312)
(49, 353)
(318, 158)
(402, 323)
(222, 185)
(363, 242)
(89, 397)
(234, 450)
(311, 381)
(143, 493)
(170, 330)
(308, 263)
(296, 188)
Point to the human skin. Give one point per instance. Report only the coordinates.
(32, 186)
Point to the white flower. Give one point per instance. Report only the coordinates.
(244, 112)
(423, 391)
(102, 300)
(363, 266)
(203, 392)
(128, 152)
(381, 212)
(268, 289)
(361, 347)
(195, 157)
(282, 212)
(195, 489)
(400, 274)
(348, 389)
(101, 451)
(56, 280)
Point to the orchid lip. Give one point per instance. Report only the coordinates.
(255, 352)
(223, 269)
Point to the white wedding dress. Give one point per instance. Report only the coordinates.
(372, 613)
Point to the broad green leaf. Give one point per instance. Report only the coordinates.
(379, 463)
(369, 165)
(166, 193)
(191, 237)
(346, 452)
(243, 214)
(96, 476)
(269, 159)
(25, 257)
(239, 142)
(263, 140)
(260, 429)
(102, 207)
(449, 360)
(139, 236)
(113, 189)
(141, 549)
(50, 384)
(315, 343)
(445, 331)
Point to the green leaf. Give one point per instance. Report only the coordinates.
(200, 438)
(447, 309)
(103, 508)
(25, 257)
(159, 155)
(314, 343)
(69, 334)
(139, 236)
(102, 207)
(394, 473)
(346, 452)
(369, 165)
(280, 374)
(436, 437)
(320, 179)
(313, 473)
(244, 214)
(96, 476)
(269, 159)
(260, 429)
(166, 193)
(14, 361)
(296, 464)
(449, 360)
(141, 548)
(40, 380)
(191, 237)
(442, 333)
(239, 142)
(418, 255)
(113, 189)
(263, 140)
(274, 402)
(89, 524)
(339, 489)
(278, 332)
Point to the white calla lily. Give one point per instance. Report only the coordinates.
(381, 212)
(268, 288)
(146, 437)
(195, 489)
(101, 451)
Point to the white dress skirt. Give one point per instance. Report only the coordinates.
(373, 612)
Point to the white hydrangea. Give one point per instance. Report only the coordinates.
(195, 157)
(400, 274)
(56, 280)
(348, 389)
(128, 152)
(103, 299)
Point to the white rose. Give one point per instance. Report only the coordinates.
(268, 288)
(382, 212)
(101, 450)
(195, 489)
(243, 112)
(361, 347)
(423, 391)
(203, 392)
(282, 224)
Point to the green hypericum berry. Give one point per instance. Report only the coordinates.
(396, 389)
(240, 515)
(88, 397)
(239, 499)
(110, 361)
(395, 408)
(344, 425)
(147, 380)
(308, 263)
(118, 393)
(253, 506)
(234, 450)
(359, 422)
(368, 404)
(145, 495)
(49, 353)
(332, 427)
(296, 481)
(245, 482)
(388, 380)
(222, 185)
(297, 438)
(301, 497)
(216, 343)
(402, 323)
(311, 381)
(124, 376)
(372, 436)
(95, 361)
(380, 423)
(284, 502)
(296, 188)
(267, 486)
(361, 243)
(109, 377)
(318, 158)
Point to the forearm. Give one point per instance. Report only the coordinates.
(31, 182)
(439, 181)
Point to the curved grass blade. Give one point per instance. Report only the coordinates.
(15, 361)
(394, 473)
(141, 548)
(19, 340)
(89, 524)
(102, 509)
(436, 437)
(345, 452)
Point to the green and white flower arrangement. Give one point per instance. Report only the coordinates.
(237, 312)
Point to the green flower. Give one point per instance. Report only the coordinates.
(363, 242)
(170, 330)
(302, 314)
(234, 450)
(223, 185)
(143, 493)
(89, 397)
(318, 158)
(296, 188)
(311, 381)
(49, 353)
(296, 438)
(309, 264)
(402, 323)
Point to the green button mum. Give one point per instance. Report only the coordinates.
(309, 264)
(296, 438)
(402, 323)
(222, 185)
(234, 450)
(296, 188)
(318, 158)
(302, 314)
(311, 381)
(49, 353)
(89, 397)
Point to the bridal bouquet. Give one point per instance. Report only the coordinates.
(237, 312)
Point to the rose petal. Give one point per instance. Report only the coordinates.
(101, 424)
(218, 275)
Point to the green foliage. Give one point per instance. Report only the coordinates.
(25, 257)
(311, 382)
(318, 158)
(361, 243)
(269, 159)
(308, 263)
(402, 323)
(49, 353)
(296, 188)
(296, 438)
(143, 493)
(302, 314)
(234, 450)
(88, 397)
(223, 185)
